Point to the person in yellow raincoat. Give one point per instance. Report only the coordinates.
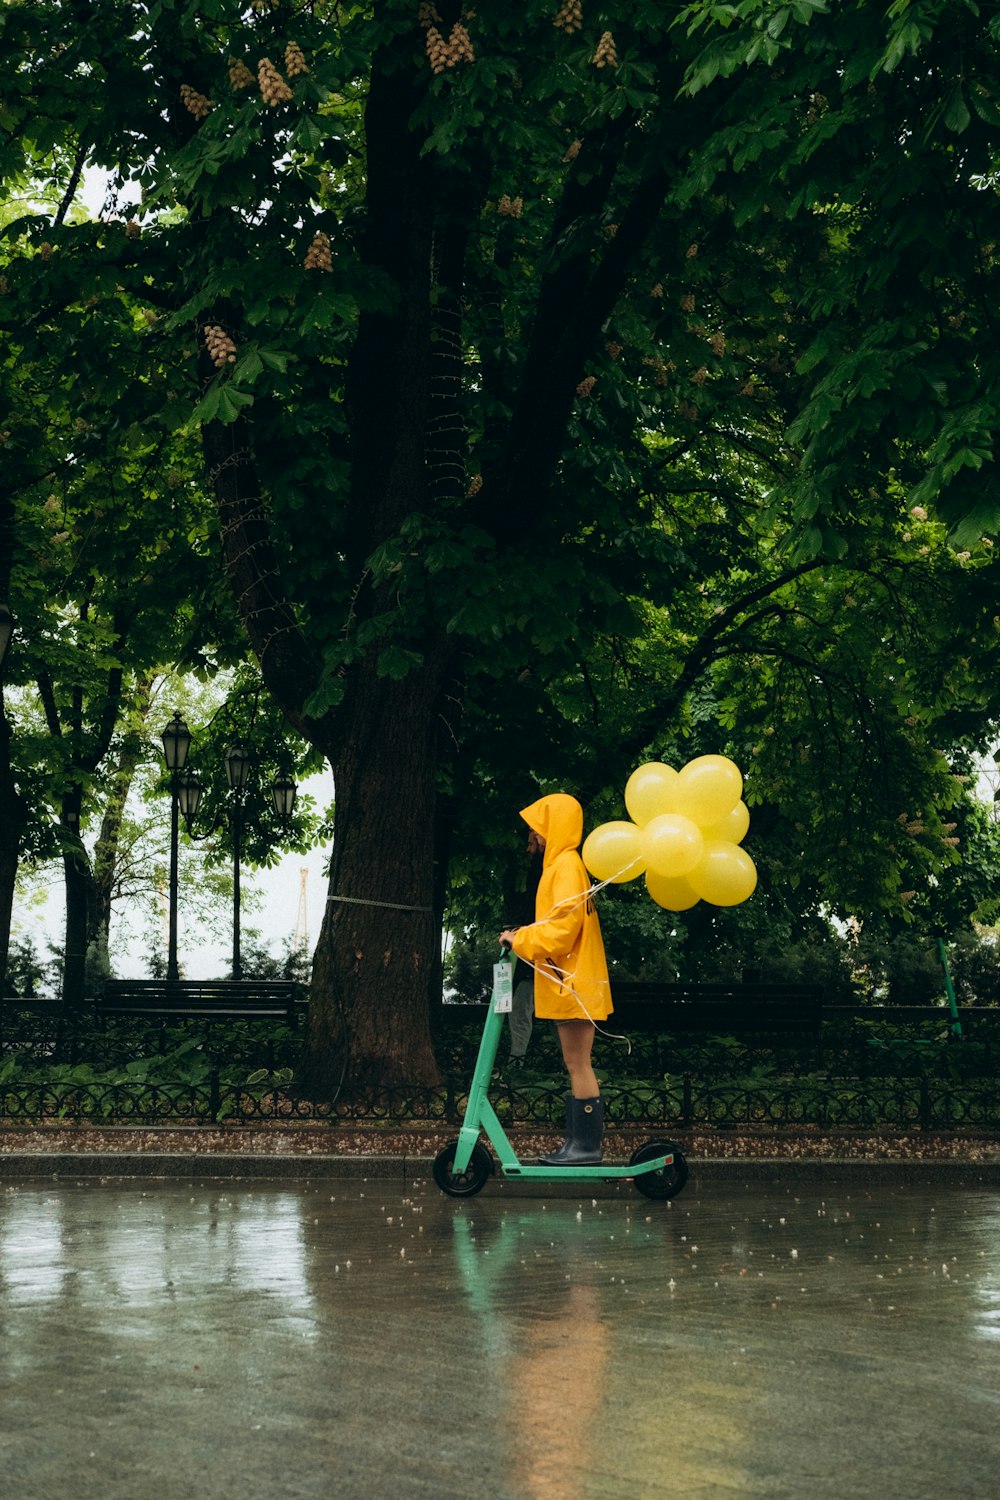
(565, 947)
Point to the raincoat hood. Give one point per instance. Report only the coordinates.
(558, 819)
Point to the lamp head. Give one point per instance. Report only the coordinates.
(284, 792)
(176, 742)
(189, 795)
(238, 762)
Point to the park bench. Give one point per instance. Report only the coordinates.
(740, 1009)
(202, 999)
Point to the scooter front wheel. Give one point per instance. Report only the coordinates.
(462, 1184)
(668, 1181)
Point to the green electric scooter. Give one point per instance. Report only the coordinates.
(462, 1167)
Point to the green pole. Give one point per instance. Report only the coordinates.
(956, 1025)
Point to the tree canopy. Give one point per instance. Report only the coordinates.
(572, 382)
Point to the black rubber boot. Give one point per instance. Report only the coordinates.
(584, 1133)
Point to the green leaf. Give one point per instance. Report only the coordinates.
(207, 408)
(248, 366)
(276, 359)
(956, 115)
(231, 402)
(397, 662)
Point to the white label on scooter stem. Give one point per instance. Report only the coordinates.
(503, 989)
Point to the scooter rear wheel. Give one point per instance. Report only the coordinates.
(462, 1184)
(668, 1181)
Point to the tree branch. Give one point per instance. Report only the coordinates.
(288, 665)
(74, 183)
(573, 301)
(388, 372)
(706, 650)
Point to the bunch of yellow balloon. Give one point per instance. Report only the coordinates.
(685, 835)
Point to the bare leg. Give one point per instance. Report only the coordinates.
(576, 1038)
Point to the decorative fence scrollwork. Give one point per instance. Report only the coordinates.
(50, 1069)
(686, 1102)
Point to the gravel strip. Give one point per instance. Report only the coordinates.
(417, 1141)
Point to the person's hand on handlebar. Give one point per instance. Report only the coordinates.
(507, 937)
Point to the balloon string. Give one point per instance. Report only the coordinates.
(579, 900)
(566, 978)
(566, 981)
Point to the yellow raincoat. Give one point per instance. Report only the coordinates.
(564, 942)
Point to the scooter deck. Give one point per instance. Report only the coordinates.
(602, 1172)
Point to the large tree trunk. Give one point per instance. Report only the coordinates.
(98, 729)
(77, 882)
(104, 876)
(374, 961)
(376, 952)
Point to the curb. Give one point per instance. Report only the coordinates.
(234, 1166)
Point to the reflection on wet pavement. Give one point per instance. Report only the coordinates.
(166, 1339)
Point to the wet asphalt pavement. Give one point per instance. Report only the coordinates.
(808, 1337)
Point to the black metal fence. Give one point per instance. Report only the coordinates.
(55, 1067)
(916, 1105)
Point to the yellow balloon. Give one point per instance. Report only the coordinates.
(708, 788)
(672, 845)
(614, 852)
(733, 828)
(672, 893)
(649, 791)
(726, 874)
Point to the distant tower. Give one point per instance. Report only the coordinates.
(302, 919)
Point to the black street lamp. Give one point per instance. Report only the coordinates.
(186, 794)
(237, 773)
(176, 742)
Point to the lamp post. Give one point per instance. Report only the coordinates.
(237, 773)
(176, 742)
(187, 792)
